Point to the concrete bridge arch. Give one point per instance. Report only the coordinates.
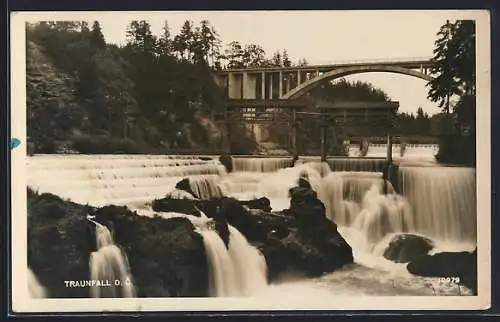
(351, 70)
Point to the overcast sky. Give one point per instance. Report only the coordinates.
(319, 37)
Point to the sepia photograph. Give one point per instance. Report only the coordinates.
(251, 160)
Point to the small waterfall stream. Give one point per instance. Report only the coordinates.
(238, 271)
(109, 266)
(35, 289)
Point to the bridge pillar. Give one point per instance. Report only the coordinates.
(287, 88)
(263, 86)
(249, 86)
(299, 74)
(270, 86)
(294, 133)
(388, 164)
(323, 137)
(280, 85)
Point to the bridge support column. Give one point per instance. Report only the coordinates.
(287, 88)
(388, 164)
(294, 134)
(299, 74)
(263, 86)
(323, 138)
(280, 85)
(270, 86)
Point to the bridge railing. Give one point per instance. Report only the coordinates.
(345, 62)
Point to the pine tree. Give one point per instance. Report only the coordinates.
(96, 36)
(286, 60)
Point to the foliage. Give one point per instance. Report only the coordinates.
(103, 96)
(454, 69)
(454, 62)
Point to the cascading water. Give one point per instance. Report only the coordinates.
(243, 164)
(434, 201)
(206, 187)
(35, 289)
(356, 165)
(110, 266)
(443, 201)
(238, 271)
(100, 180)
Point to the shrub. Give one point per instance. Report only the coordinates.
(459, 150)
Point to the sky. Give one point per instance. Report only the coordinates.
(320, 37)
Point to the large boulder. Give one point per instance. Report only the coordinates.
(259, 203)
(183, 206)
(405, 248)
(448, 264)
(60, 240)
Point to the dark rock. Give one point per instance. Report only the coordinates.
(300, 239)
(185, 185)
(260, 203)
(448, 264)
(183, 206)
(405, 248)
(304, 183)
(205, 158)
(227, 162)
(60, 240)
(167, 257)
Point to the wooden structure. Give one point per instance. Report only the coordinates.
(327, 114)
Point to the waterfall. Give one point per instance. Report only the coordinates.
(110, 266)
(443, 200)
(238, 271)
(260, 164)
(100, 180)
(35, 289)
(343, 192)
(206, 187)
(356, 165)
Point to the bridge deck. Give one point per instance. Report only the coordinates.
(411, 64)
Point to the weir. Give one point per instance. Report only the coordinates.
(433, 201)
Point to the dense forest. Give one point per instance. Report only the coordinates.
(155, 94)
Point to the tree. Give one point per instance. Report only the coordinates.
(140, 38)
(183, 42)
(302, 62)
(96, 36)
(454, 67)
(234, 55)
(165, 42)
(253, 56)
(277, 59)
(286, 60)
(453, 63)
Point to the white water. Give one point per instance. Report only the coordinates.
(114, 179)
(443, 201)
(109, 264)
(35, 289)
(244, 164)
(238, 271)
(437, 202)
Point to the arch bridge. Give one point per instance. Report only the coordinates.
(270, 83)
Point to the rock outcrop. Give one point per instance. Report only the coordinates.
(448, 264)
(166, 256)
(298, 240)
(405, 248)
